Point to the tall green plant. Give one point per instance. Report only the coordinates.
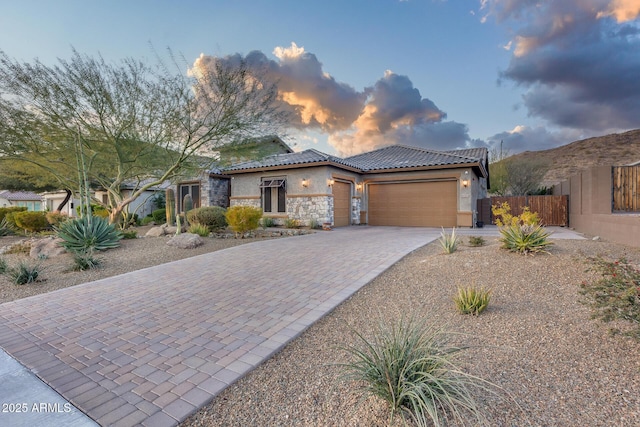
(412, 366)
(187, 205)
(170, 206)
(83, 235)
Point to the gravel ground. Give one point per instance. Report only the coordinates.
(554, 365)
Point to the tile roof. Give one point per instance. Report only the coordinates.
(19, 195)
(300, 158)
(390, 157)
(404, 156)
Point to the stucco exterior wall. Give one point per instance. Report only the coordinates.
(590, 207)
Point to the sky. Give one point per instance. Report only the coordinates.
(362, 74)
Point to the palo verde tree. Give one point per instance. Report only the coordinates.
(514, 175)
(136, 123)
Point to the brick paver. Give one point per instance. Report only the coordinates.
(152, 346)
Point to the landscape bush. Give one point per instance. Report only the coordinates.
(291, 223)
(267, 222)
(242, 219)
(11, 209)
(472, 300)
(213, 217)
(159, 216)
(147, 220)
(85, 261)
(521, 233)
(615, 295)
(476, 241)
(449, 242)
(83, 235)
(31, 221)
(199, 229)
(412, 366)
(24, 273)
(55, 218)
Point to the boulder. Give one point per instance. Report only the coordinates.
(155, 232)
(186, 241)
(46, 248)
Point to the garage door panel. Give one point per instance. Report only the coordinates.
(415, 204)
(341, 204)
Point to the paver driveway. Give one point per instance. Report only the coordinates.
(152, 346)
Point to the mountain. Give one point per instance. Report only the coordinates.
(609, 150)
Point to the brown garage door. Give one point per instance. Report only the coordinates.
(414, 204)
(341, 204)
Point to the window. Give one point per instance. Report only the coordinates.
(273, 195)
(193, 190)
(30, 205)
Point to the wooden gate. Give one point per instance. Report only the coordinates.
(626, 188)
(552, 210)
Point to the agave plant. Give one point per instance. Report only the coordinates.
(83, 235)
(525, 238)
(449, 242)
(472, 300)
(5, 228)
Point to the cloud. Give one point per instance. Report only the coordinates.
(526, 138)
(577, 59)
(391, 111)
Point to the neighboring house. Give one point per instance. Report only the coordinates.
(396, 185)
(212, 186)
(143, 205)
(52, 200)
(31, 201)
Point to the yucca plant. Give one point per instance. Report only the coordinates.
(24, 273)
(412, 366)
(472, 300)
(525, 238)
(449, 242)
(5, 228)
(82, 235)
(199, 229)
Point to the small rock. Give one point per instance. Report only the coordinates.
(596, 239)
(46, 248)
(186, 241)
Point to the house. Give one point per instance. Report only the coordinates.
(212, 186)
(144, 204)
(396, 185)
(32, 201)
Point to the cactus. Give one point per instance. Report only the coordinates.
(170, 206)
(178, 225)
(187, 205)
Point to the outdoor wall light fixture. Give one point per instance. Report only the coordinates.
(305, 182)
(465, 179)
(330, 182)
(359, 186)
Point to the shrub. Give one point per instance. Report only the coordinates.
(85, 261)
(472, 300)
(525, 238)
(616, 294)
(243, 218)
(199, 229)
(147, 219)
(30, 221)
(476, 241)
(291, 223)
(24, 273)
(502, 216)
(5, 229)
(129, 234)
(413, 368)
(314, 224)
(449, 242)
(55, 218)
(268, 222)
(11, 209)
(159, 216)
(81, 237)
(211, 217)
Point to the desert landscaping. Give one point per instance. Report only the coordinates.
(548, 362)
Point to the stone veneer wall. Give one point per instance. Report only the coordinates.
(215, 192)
(246, 202)
(356, 202)
(305, 209)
